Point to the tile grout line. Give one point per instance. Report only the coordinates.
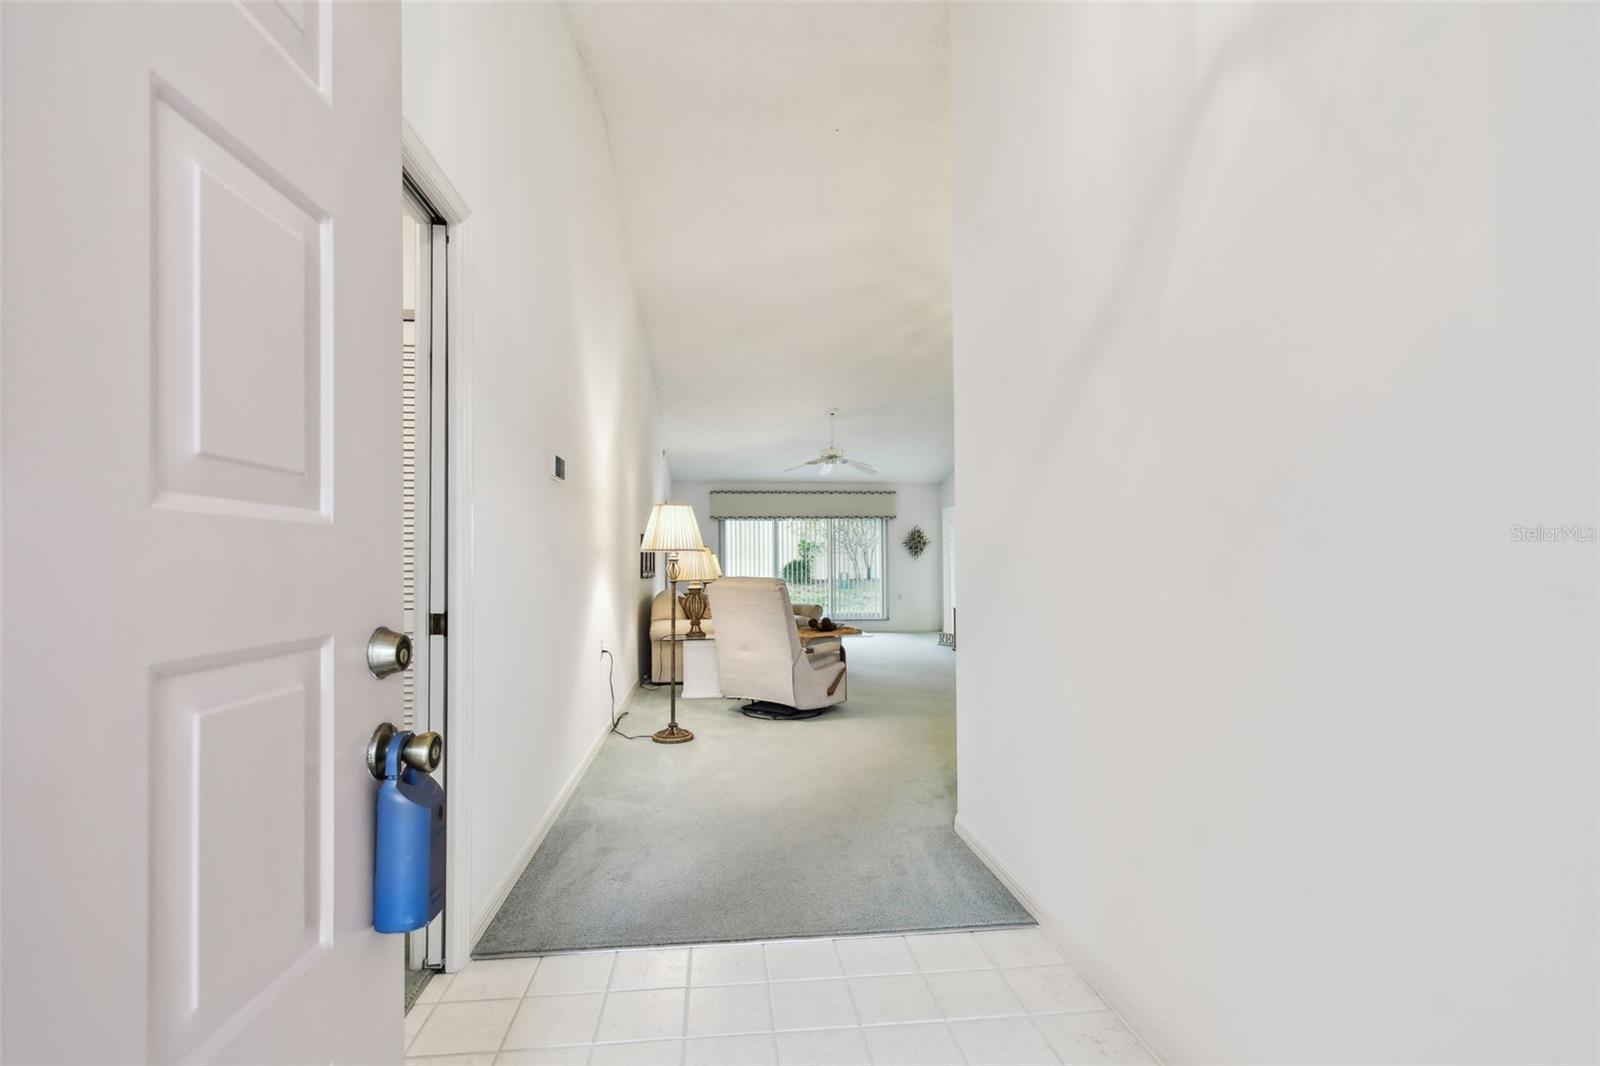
(515, 1010)
(945, 1020)
(772, 1004)
(855, 1008)
(605, 997)
(688, 986)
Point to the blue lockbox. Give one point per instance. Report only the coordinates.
(408, 868)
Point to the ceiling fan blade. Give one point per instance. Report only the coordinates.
(866, 468)
(802, 466)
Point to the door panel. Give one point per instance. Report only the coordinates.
(236, 911)
(241, 345)
(200, 424)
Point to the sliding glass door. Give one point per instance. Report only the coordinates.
(835, 562)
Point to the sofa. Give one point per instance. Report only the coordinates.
(661, 622)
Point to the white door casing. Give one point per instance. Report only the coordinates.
(425, 245)
(201, 499)
(949, 561)
(452, 468)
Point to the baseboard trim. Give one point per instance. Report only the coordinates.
(486, 913)
(1127, 1007)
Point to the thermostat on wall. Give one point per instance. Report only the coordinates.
(560, 470)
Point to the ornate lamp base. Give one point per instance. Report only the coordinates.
(673, 734)
(695, 603)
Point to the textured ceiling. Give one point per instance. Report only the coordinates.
(784, 173)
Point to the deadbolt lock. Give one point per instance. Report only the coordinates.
(388, 652)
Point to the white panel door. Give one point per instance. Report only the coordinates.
(201, 508)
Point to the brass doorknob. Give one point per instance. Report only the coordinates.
(420, 751)
(388, 652)
(424, 751)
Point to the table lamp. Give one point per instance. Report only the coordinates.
(697, 568)
(673, 530)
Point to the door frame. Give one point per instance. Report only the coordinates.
(424, 172)
(429, 306)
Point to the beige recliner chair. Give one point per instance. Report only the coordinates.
(760, 657)
(661, 623)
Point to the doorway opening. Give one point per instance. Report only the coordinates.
(424, 533)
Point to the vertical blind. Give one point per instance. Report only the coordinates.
(835, 562)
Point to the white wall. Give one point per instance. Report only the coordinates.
(914, 584)
(1269, 324)
(558, 365)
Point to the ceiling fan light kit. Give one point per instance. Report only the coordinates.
(832, 457)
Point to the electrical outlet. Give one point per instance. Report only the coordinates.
(602, 647)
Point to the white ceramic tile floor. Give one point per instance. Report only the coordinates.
(730, 1010)
(752, 1049)
(1052, 989)
(871, 956)
(800, 960)
(921, 1044)
(821, 1004)
(1018, 947)
(552, 1021)
(823, 1047)
(990, 998)
(1010, 1040)
(643, 1053)
(728, 964)
(535, 1056)
(947, 951)
(891, 999)
(491, 979)
(974, 994)
(434, 990)
(650, 969)
(655, 1014)
(559, 974)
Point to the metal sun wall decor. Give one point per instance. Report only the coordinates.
(916, 542)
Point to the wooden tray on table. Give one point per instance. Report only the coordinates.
(808, 636)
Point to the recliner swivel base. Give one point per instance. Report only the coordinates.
(777, 712)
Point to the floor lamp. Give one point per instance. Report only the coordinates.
(673, 530)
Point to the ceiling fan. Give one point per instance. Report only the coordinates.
(832, 457)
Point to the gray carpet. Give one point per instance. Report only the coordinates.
(416, 981)
(758, 830)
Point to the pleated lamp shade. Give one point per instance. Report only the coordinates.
(698, 566)
(672, 528)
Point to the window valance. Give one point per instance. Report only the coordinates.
(802, 503)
